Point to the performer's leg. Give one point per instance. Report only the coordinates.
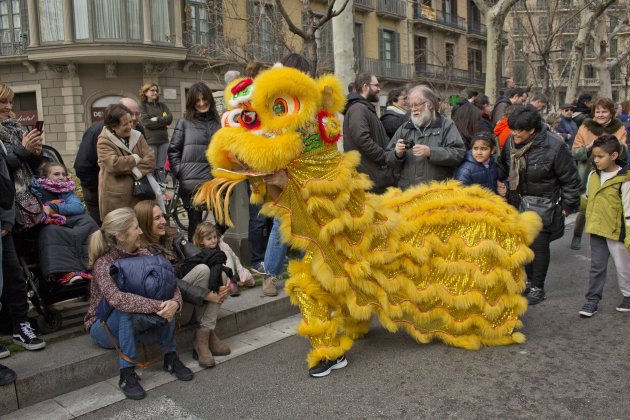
(321, 319)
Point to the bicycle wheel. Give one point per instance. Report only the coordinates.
(179, 213)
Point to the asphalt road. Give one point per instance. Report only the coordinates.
(568, 368)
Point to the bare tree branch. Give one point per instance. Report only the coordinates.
(292, 27)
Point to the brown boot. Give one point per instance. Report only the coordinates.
(218, 347)
(201, 352)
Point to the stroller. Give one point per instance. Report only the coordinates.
(44, 292)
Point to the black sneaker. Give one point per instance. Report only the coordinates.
(259, 268)
(624, 306)
(528, 287)
(25, 336)
(324, 367)
(173, 365)
(535, 296)
(576, 243)
(4, 352)
(6, 375)
(129, 384)
(589, 309)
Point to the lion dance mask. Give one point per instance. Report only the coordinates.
(440, 261)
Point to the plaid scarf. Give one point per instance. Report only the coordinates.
(517, 159)
(57, 187)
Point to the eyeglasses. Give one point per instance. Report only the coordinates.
(417, 104)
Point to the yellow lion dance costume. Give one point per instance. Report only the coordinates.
(441, 261)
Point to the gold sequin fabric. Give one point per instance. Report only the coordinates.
(441, 261)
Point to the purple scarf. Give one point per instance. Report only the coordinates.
(57, 187)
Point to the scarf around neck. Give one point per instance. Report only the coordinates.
(517, 160)
(57, 187)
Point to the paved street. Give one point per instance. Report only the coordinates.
(568, 368)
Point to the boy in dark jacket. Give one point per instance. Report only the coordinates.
(479, 166)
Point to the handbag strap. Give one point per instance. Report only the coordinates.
(123, 355)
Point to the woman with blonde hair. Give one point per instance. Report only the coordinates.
(22, 149)
(117, 239)
(155, 117)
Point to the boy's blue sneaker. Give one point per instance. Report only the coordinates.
(589, 309)
(624, 306)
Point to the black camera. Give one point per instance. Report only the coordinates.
(409, 144)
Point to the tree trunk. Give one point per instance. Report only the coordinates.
(310, 51)
(343, 34)
(493, 55)
(600, 36)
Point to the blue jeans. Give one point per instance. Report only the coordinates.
(119, 324)
(256, 231)
(276, 251)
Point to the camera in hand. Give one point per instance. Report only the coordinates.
(409, 144)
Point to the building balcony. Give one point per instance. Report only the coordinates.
(589, 81)
(446, 74)
(385, 69)
(476, 29)
(13, 42)
(364, 5)
(396, 9)
(438, 19)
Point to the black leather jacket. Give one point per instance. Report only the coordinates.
(550, 172)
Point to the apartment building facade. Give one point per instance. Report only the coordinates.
(542, 34)
(68, 59)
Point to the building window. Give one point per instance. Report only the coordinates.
(449, 7)
(614, 20)
(450, 54)
(565, 4)
(589, 71)
(13, 28)
(266, 31)
(614, 47)
(358, 40)
(567, 46)
(50, 20)
(474, 61)
(564, 69)
(204, 26)
(518, 50)
(517, 27)
(161, 22)
(420, 53)
(520, 73)
(543, 24)
(324, 41)
(107, 20)
(519, 5)
(389, 46)
(542, 4)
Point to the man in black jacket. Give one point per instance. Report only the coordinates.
(86, 163)
(364, 132)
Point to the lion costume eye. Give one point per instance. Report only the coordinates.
(231, 118)
(285, 106)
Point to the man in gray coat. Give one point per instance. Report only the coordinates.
(364, 132)
(427, 148)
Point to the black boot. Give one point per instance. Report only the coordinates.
(130, 384)
(173, 365)
(6, 375)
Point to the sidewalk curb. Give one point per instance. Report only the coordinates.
(74, 363)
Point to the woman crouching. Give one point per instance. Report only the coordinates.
(119, 238)
(161, 240)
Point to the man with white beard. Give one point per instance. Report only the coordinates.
(427, 148)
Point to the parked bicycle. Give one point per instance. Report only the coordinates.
(173, 203)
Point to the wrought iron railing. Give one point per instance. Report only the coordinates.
(449, 74)
(438, 16)
(385, 68)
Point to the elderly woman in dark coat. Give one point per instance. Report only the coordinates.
(119, 168)
(187, 152)
(539, 167)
